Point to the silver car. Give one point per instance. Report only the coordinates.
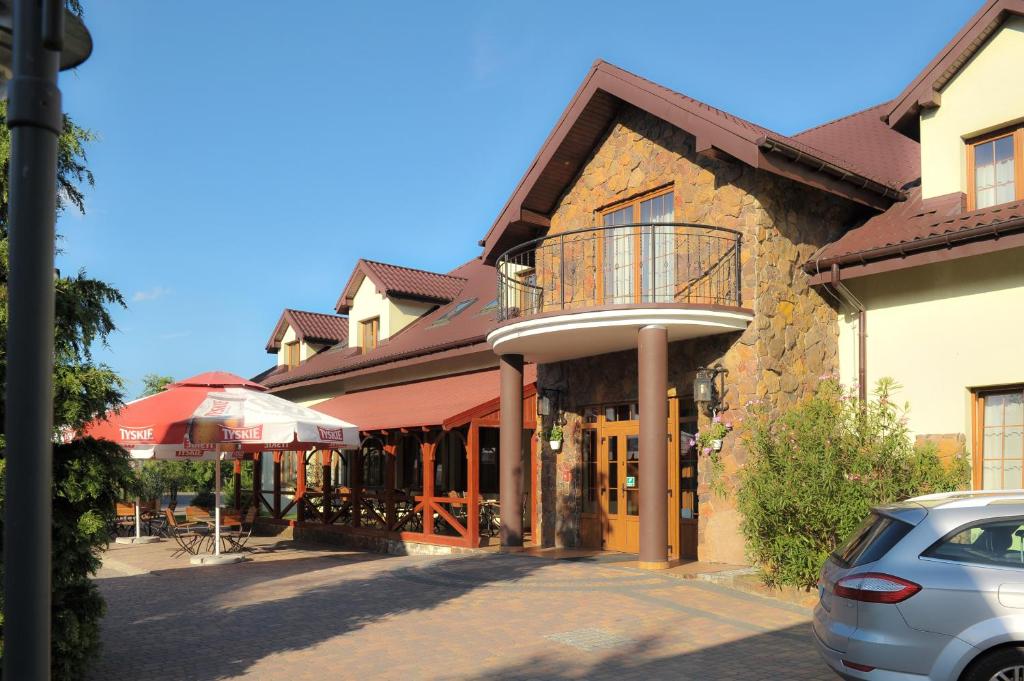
(930, 588)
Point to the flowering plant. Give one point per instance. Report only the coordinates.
(555, 434)
(708, 443)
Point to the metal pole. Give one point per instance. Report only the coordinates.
(216, 509)
(510, 452)
(34, 118)
(653, 383)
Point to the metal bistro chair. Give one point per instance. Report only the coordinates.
(237, 539)
(188, 536)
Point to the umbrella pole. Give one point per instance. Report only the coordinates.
(138, 501)
(216, 510)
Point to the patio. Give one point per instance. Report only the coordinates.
(298, 611)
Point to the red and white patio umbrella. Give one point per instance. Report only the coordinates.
(216, 415)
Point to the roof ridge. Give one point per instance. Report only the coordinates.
(322, 314)
(413, 269)
(840, 119)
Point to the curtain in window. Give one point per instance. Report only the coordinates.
(993, 172)
(658, 250)
(1003, 440)
(618, 257)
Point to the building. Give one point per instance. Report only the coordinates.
(658, 249)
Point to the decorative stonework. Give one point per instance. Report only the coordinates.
(791, 342)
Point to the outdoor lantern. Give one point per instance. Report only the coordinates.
(704, 386)
(548, 401)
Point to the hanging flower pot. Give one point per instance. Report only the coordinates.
(555, 438)
(716, 445)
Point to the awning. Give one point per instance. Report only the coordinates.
(447, 402)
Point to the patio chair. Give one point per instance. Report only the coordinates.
(197, 514)
(124, 521)
(188, 536)
(237, 539)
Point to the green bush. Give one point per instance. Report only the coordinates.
(87, 475)
(814, 473)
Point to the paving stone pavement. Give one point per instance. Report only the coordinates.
(298, 612)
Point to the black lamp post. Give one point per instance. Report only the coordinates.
(42, 39)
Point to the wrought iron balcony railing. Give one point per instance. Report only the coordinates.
(659, 263)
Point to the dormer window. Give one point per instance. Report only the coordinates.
(369, 333)
(995, 172)
(291, 354)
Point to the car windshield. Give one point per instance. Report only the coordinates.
(871, 540)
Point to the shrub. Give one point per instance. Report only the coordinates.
(87, 475)
(814, 473)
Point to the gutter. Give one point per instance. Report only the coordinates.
(799, 156)
(994, 230)
(846, 295)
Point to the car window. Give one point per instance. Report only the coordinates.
(871, 540)
(995, 542)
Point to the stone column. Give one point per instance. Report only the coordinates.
(510, 452)
(653, 482)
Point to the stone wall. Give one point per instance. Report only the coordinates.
(791, 342)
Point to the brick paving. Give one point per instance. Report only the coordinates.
(298, 612)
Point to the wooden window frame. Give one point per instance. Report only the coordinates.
(978, 428)
(292, 351)
(633, 202)
(373, 325)
(1015, 131)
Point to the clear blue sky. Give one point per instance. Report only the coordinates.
(250, 152)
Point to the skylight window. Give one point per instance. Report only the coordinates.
(451, 314)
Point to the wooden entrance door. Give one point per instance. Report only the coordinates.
(620, 453)
(610, 515)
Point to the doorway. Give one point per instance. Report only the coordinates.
(610, 514)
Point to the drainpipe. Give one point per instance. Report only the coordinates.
(846, 295)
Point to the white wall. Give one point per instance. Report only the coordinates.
(941, 330)
(394, 315)
(987, 93)
(306, 350)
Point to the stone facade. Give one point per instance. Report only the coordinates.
(790, 343)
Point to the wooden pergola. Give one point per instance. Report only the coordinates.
(421, 510)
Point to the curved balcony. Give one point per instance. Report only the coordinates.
(588, 291)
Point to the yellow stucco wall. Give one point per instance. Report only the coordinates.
(306, 350)
(941, 330)
(987, 93)
(394, 315)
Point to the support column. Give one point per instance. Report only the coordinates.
(653, 379)
(300, 486)
(257, 480)
(277, 483)
(236, 479)
(510, 452)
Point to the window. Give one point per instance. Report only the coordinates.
(999, 439)
(451, 314)
(995, 166)
(369, 333)
(373, 464)
(871, 541)
(291, 354)
(640, 259)
(994, 542)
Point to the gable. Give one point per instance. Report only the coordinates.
(603, 93)
(925, 91)
(986, 93)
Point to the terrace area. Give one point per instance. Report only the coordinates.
(297, 612)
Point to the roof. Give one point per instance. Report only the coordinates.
(416, 405)
(461, 323)
(863, 139)
(309, 327)
(400, 282)
(866, 179)
(915, 225)
(923, 91)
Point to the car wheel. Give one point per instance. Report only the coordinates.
(1005, 664)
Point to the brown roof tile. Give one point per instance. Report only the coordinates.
(311, 327)
(401, 282)
(462, 322)
(865, 141)
(914, 224)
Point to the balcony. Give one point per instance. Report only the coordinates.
(588, 291)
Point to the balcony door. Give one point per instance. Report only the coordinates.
(638, 256)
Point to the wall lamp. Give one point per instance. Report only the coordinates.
(549, 401)
(706, 394)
